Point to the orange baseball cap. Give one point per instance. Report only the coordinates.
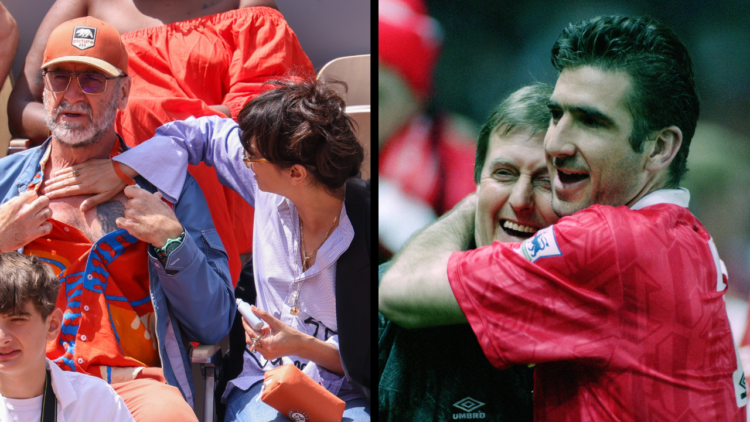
(87, 40)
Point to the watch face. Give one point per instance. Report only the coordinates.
(171, 246)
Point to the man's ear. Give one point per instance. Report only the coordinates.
(123, 92)
(662, 149)
(54, 324)
(298, 174)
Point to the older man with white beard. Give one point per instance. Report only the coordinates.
(72, 132)
(141, 277)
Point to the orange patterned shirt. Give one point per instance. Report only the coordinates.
(108, 318)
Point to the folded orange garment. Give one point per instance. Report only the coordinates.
(298, 397)
(181, 69)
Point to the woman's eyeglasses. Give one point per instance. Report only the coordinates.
(249, 159)
(90, 83)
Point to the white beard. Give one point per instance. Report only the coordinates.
(77, 135)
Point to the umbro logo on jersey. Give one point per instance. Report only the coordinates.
(83, 37)
(469, 405)
(542, 245)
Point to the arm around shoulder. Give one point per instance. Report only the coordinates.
(163, 159)
(415, 291)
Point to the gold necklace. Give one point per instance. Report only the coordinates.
(305, 258)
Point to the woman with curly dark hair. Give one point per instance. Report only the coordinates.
(295, 158)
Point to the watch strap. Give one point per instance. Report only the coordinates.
(169, 246)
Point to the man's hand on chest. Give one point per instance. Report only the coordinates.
(94, 223)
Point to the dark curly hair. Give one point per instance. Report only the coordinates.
(26, 279)
(304, 122)
(663, 81)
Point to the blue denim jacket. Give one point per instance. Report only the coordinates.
(194, 304)
(441, 373)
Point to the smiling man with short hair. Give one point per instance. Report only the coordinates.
(513, 202)
(619, 304)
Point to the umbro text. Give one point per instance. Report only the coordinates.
(475, 415)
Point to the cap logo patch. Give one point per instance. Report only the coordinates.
(83, 37)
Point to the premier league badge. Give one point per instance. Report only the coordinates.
(83, 37)
(542, 245)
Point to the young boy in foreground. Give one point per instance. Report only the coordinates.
(30, 384)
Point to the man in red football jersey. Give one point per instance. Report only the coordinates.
(620, 304)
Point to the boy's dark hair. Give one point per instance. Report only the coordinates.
(304, 123)
(26, 279)
(663, 82)
(525, 108)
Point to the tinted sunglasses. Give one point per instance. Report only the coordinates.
(90, 83)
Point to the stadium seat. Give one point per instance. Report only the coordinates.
(223, 361)
(8, 145)
(361, 115)
(355, 71)
(4, 131)
(207, 366)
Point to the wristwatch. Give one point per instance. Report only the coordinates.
(172, 244)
